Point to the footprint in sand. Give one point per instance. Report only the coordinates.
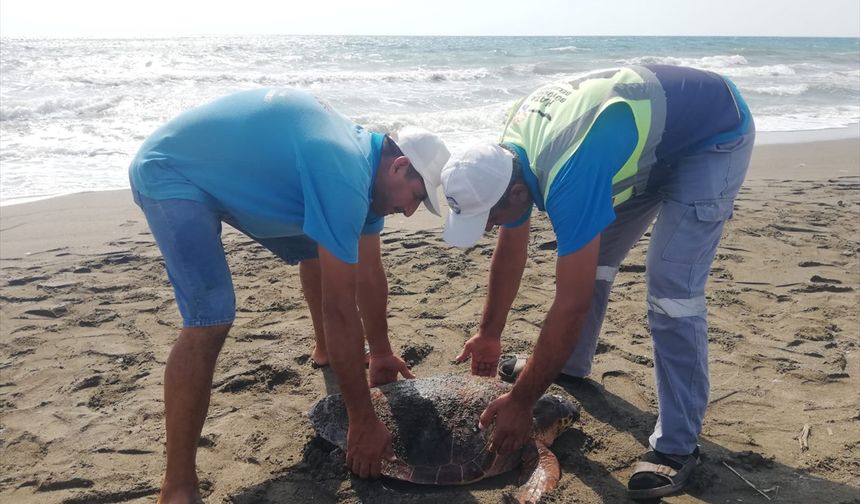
(623, 385)
(50, 312)
(415, 354)
(25, 280)
(263, 377)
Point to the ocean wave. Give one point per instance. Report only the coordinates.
(757, 71)
(831, 84)
(550, 69)
(717, 61)
(299, 78)
(458, 126)
(837, 82)
(791, 118)
(66, 107)
(564, 49)
(518, 70)
(785, 90)
(181, 82)
(733, 65)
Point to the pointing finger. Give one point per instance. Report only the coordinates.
(406, 372)
(464, 355)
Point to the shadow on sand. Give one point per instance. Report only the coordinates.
(712, 482)
(321, 477)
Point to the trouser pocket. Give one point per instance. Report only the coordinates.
(696, 229)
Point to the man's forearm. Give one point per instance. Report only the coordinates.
(373, 303)
(557, 340)
(345, 342)
(506, 272)
(372, 294)
(574, 278)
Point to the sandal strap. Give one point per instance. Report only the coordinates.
(519, 363)
(663, 470)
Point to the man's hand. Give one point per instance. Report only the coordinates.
(367, 442)
(385, 368)
(484, 352)
(513, 423)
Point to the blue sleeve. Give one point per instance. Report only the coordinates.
(335, 199)
(373, 224)
(579, 203)
(519, 222)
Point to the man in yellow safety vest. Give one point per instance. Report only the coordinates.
(603, 155)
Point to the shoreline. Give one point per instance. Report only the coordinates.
(763, 138)
(849, 132)
(89, 221)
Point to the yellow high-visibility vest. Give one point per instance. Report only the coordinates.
(551, 123)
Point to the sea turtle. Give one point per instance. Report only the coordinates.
(434, 428)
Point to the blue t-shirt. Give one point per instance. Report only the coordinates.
(278, 162)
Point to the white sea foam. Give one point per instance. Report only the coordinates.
(458, 126)
(786, 90)
(68, 107)
(706, 62)
(755, 71)
(798, 118)
(729, 65)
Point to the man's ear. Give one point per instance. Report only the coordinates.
(400, 165)
(520, 193)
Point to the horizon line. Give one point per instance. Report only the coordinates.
(197, 35)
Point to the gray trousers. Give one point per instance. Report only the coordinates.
(692, 202)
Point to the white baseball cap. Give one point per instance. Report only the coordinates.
(473, 183)
(428, 154)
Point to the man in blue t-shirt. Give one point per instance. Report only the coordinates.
(603, 155)
(286, 169)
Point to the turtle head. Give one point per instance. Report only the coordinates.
(553, 415)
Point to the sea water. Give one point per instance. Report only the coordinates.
(73, 112)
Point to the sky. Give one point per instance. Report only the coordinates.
(160, 18)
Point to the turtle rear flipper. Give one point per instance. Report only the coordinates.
(541, 473)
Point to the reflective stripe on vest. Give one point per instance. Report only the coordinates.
(551, 123)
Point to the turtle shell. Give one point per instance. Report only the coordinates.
(434, 428)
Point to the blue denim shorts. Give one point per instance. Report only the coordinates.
(188, 233)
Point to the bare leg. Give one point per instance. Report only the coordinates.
(309, 273)
(187, 386)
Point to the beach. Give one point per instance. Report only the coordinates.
(87, 320)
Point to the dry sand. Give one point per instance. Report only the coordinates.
(87, 319)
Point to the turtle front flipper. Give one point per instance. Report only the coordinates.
(541, 468)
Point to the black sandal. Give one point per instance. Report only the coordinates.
(660, 474)
(510, 366)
